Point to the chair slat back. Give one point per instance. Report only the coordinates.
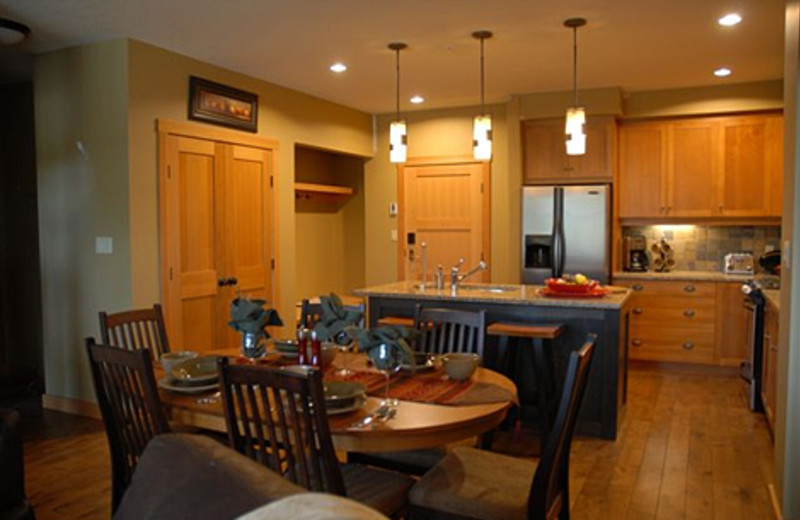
(443, 331)
(278, 418)
(135, 330)
(550, 488)
(132, 411)
(311, 313)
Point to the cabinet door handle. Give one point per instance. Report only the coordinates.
(689, 313)
(637, 310)
(688, 345)
(637, 342)
(689, 288)
(222, 282)
(638, 287)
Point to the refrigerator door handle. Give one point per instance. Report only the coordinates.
(559, 243)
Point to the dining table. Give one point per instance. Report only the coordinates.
(414, 424)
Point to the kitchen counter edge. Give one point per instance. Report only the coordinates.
(683, 276)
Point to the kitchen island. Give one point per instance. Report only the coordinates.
(607, 317)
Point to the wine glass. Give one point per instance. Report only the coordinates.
(386, 359)
(346, 347)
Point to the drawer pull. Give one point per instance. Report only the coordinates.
(637, 342)
(637, 287)
(689, 313)
(688, 345)
(637, 310)
(689, 288)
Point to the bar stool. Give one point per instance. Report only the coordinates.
(543, 339)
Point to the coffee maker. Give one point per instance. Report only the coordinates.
(634, 253)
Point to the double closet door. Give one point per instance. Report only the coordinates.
(216, 225)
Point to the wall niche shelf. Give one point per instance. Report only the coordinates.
(321, 197)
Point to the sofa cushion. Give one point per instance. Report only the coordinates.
(319, 506)
(181, 476)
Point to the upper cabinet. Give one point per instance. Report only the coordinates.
(708, 168)
(545, 160)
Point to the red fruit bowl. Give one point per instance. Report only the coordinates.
(571, 288)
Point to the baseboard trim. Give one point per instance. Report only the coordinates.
(69, 405)
(773, 498)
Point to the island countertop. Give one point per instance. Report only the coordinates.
(529, 295)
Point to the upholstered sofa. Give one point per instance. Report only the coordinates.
(183, 476)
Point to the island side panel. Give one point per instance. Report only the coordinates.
(605, 393)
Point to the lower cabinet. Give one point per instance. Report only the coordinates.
(686, 322)
(770, 362)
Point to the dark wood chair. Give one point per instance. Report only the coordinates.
(277, 417)
(476, 484)
(310, 313)
(132, 412)
(136, 329)
(442, 331)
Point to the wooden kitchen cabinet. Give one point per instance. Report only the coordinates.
(545, 160)
(770, 362)
(701, 168)
(672, 321)
(732, 320)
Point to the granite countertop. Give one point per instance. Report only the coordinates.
(684, 276)
(495, 293)
(774, 297)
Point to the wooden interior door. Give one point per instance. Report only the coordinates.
(445, 206)
(693, 166)
(246, 237)
(193, 224)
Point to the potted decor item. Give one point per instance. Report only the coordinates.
(335, 319)
(250, 318)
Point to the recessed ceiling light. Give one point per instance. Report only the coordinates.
(338, 67)
(417, 100)
(722, 72)
(730, 19)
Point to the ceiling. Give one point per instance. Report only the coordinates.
(633, 44)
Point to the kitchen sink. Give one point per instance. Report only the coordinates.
(488, 288)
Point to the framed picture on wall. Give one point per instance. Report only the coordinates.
(222, 105)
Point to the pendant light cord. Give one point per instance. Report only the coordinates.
(575, 64)
(483, 106)
(397, 89)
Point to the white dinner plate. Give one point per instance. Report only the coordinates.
(166, 384)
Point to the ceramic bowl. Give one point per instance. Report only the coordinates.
(170, 359)
(196, 371)
(460, 366)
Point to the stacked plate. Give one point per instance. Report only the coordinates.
(286, 347)
(424, 362)
(344, 396)
(192, 376)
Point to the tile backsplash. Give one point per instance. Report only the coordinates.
(701, 248)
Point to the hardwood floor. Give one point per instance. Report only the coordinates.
(688, 449)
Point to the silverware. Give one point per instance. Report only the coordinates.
(209, 399)
(382, 412)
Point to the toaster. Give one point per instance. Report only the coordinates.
(738, 263)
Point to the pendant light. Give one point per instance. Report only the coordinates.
(12, 33)
(576, 115)
(397, 130)
(482, 124)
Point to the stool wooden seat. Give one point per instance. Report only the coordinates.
(396, 320)
(543, 337)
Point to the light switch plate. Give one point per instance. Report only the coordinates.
(104, 245)
(393, 209)
(394, 235)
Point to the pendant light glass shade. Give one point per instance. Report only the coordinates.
(397, 130)
(576, 135)
(576, 115)
(482, 138)
(397, 142)
(482, 124)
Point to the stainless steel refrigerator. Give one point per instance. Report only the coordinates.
(566, 229)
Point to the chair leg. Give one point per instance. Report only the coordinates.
(543, 396)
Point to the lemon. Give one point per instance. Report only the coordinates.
(581, 279)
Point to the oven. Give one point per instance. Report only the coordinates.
(750, 368)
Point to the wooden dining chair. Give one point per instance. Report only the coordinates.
(277, 417)
(132, 411)
(310, 313)
(442, 331)
(135, 329)
(480, 485)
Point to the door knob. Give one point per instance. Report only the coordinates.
(688, 345)
(637, 342)
(637, 310)
(689, 288)
(689, 313)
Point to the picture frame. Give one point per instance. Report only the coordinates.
(219, 104)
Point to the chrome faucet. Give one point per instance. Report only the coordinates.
(456, 277)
